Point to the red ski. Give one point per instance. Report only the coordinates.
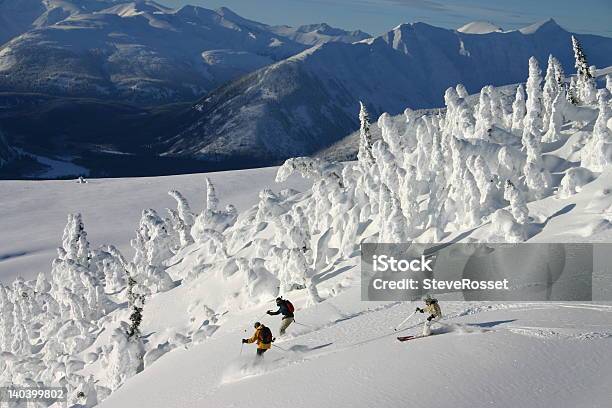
(406, 338)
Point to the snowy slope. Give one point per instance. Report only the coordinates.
(111, 207)
(527, 355)
(309, 101)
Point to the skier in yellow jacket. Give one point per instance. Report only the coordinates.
(433, 309)
(263, 338)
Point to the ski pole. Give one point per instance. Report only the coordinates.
(404, 321)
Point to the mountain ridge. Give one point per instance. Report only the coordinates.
(317, 104)
(141, 52)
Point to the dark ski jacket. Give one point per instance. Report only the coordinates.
(284, 310)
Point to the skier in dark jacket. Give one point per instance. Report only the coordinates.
(285, 308)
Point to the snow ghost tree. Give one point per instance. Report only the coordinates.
(184, 220)
(571, 182)
(584, 87)
(519, 109)
(556, 118)
(597, 152)
(152, 246)
(212, 219)
(125, 358)
(507, 227)
(533, 116)
(461, 91)
(212, 202)
(551, 90)
(484, 116)
(518, 206)
(74, 240)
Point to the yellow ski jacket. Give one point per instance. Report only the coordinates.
(257, 338)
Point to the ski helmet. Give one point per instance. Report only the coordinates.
(257, 324)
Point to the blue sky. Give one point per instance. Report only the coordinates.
(379, 16)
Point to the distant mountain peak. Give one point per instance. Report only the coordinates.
(479, 27)
(540, 26)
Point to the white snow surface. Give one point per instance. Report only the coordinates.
(35, 211)
(502, 355)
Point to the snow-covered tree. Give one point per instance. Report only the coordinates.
(551, 90)
(555, 119)
(312, 168)
(185, 219)
(461, 91)
(537, 178)
(484, 116)
(597, 152)
(74, 240)
(365, 138)
(519, 109)
(486, 183)
(472, 207)
(584, 90)
(504, 223)
(572, 92)
(571, 183)
(152, 239)
(124, 360)
(6, 319)
(212, 201)
(534, 110)
(518, 206)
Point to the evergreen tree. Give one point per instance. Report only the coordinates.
(581, 64)
(585, 90)
(365, 140)
(136, 300)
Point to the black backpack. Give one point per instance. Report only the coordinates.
(265, 335)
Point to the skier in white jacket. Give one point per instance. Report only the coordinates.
(433, 309)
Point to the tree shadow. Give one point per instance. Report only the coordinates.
(323, 276)
(491, 324)
(302, 348)
(535, 228)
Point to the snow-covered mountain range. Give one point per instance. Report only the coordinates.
(139, 51)
(266, 92)
(307, 102)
